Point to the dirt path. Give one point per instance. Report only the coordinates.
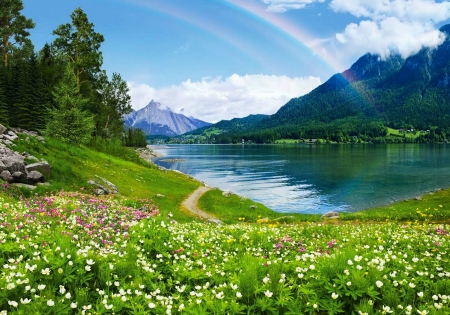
(190, 203)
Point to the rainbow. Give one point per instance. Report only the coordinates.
(288, 28)
(257, 13)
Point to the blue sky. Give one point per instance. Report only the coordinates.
(220, 59)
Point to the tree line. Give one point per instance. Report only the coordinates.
(61, 90)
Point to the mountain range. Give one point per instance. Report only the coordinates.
(375, 93)
(156, 119)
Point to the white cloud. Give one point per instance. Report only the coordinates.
(216, 99)
(399, 26)
(285, 5)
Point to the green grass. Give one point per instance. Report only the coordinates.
(433, 207)
(235, 208)
(397, 133)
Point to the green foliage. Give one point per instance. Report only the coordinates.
(80, 44)
(134, 138)
(115, 102)
(69, 122)
(14, 41)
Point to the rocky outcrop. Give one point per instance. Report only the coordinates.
(13, 167)
(103, 186)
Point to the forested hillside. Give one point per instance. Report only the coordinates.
(60, 90)
(360, 103)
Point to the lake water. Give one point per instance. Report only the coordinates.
(316, 178)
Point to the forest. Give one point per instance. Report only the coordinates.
(61, 90)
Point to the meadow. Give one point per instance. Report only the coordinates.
(66, 251)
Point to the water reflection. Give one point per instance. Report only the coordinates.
(315, 178)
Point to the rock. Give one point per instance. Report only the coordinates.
(6, 176)
(330, 215)
(34, 177)
(31, 187)
(160, 196)
(105, 188)
(253, 207)
(43, 184)
(3, 129)
(18, 176)
(112, 188)
(32, 158)
(226, 193)
(43, 167)
(14, 163)
(8, 142)
(215, 221)
(418, 198)
(42, 139)
(10, 137)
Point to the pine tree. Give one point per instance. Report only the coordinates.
(13, 30)
(80, 44)
(69, 122)
(115, 102)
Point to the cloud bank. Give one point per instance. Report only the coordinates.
(215, 99)
(385, 27)
(395, 26)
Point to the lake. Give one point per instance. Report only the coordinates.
(316, 178)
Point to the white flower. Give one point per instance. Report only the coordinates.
(412, 285)
(25, 301)
(379, 284)
(350, 262)
(13, 303)
(420, 294)
(349, 283)
(45, 271)
(62, 290)
(41, 287)
(151, 305)
(386, 309)
(268, 293)
(181, 307)
(435, 297)
(424, 312)
(68, 295)
(87, 268)
(334, 295)
(266, 279)
(238, 295)
(90, 262)
(358, 258)
(50, 303)
(312, 267)
(73, 305)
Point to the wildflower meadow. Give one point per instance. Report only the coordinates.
(73, 253)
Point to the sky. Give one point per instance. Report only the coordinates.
(222, 59)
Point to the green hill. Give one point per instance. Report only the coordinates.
(365, 99)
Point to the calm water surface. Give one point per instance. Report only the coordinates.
(316, 178)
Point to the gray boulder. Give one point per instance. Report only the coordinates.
(42, 167)
(34, 177)
(14, 163)
(105, 187)
(331, 215)
(3, 129)
(18, 176)
(6, 176)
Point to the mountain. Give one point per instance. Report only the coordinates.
(233, 125)
(156, 119)
(412, 93)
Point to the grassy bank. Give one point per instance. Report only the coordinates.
(71, 252)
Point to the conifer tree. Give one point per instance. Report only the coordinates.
(13, 30)
(115, 102)
(80, 44)
(68, 121)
